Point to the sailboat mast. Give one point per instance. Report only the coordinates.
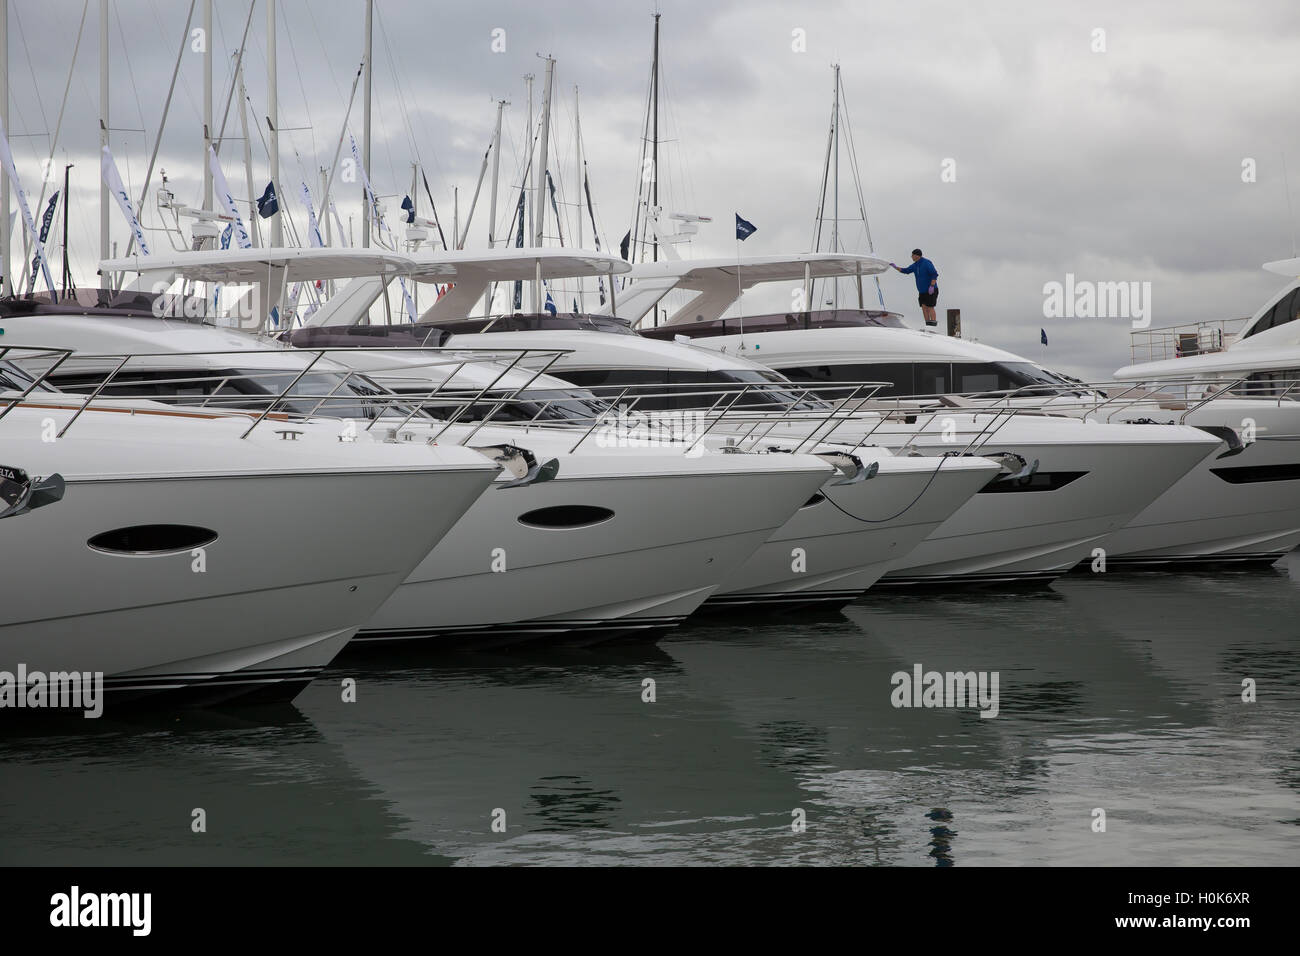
(528, 166)
(578, 184)
(6, 280)
(654, 139)
(103, 134)
(273, 121)
(67, 266)
(365, 120)
(835, 225)
(207, 102)
(496, 176)
(543, 157)
(248, 159)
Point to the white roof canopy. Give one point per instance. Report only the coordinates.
(719, 282)
(470, 273)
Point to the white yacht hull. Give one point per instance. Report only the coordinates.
(665, 547)
(842, 541)
(1027, 536)
(311, 536)
(1238, 509)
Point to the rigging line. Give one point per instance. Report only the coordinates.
(293, 55)
(234, 75)
(642, 186)
(908, 507)
(162, 123)
(862, 203)
(402, 96)
(184, 80)
(853, 165)
(58, 127)
(36, 87)
(130, 70)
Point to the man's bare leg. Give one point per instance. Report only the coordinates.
(928, 312)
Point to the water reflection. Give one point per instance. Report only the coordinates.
(1116, 692)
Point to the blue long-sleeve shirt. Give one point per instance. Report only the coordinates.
(924, 272)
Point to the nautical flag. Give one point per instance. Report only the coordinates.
(221, 189)
(45, 234)
(1042, 335)
(313, 227)
(268, 205)
(550, 303)
(7, 159)
(519, 242)
(586, 186)
(744, 229)
(225, 236)
(622, 246)
(559, 230)
(575, 306)
(108, 169)
(409, 207)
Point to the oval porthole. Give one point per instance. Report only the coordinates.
(149, 539)
(816, 499)
(566, 516)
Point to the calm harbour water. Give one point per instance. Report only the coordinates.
(1119, 692)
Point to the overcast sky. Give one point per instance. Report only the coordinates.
(1114, 156)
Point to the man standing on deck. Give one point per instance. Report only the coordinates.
(927, 285)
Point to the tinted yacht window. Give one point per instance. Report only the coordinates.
(1286, 310)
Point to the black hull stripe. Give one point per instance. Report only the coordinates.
(785, 597)
(1190, 560)
(958, 580)
(520, 629)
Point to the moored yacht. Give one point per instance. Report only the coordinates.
(202, 557)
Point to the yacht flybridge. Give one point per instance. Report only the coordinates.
(182, 555)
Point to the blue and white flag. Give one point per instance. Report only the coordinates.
(45, 234)
(7, 159)
(227, 200)
(225, 236)
(550, 303)
(1042, 336)
(108, 169)
(313, 227)
(410, 209)
(744, 228)
(268, 205)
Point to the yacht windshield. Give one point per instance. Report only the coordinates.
(541, 406)
(907, 379)
(681, 389)
(545, 321)
(326, 394)
(14, 379)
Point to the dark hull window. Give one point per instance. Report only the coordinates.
(1039, 481)
(566, 516)
(147, 539)
(1250, 474)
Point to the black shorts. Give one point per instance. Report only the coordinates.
(928, 298)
